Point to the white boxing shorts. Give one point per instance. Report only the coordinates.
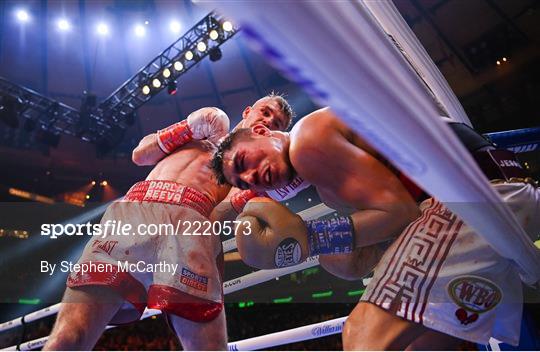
(443, 275)
(171, 269)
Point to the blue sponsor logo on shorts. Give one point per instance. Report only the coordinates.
(189, 278)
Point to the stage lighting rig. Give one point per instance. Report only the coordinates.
(105, 124)
(172, 88)
(213, 30)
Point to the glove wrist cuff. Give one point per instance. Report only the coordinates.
(240, 199)
(331, 236)
(173, 137)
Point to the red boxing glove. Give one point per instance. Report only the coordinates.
(171, 138)
(240, 199)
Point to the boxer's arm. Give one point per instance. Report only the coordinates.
(224, 211)
(233, 204)
(148, 151)
(206, 123)
(356, 179)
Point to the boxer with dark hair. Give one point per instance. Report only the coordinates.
(437, 282)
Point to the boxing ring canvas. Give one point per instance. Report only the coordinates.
(341, 55)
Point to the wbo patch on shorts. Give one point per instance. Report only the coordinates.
(474, 295)
(198, 282)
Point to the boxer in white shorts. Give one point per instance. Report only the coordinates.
(421, 292)
(442, 276)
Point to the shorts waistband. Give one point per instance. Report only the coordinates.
(171, 193)
(500, 164)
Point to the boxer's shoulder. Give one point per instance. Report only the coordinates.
(309, 138)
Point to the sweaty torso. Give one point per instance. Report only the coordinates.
(190, 166)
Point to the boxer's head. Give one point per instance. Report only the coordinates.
(254, 158)
(273, 111)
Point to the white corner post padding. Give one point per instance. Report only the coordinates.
(341, 56)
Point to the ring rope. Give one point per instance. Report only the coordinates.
(266, 275)
(302, 333)
(230, 286)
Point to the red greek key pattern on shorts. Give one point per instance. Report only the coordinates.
(416, 260)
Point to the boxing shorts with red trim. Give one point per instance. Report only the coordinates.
(159, 263)
(441, 274)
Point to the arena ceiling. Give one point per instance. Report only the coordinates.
(464, 38)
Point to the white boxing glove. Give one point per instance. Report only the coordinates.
(206, 123)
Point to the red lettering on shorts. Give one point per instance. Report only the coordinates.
(105, 246)
(467, 291)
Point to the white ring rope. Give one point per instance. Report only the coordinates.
(302, 333)
(230, 286)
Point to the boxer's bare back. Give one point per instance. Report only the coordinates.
(189, 166)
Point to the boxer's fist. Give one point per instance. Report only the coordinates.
(208, 123)
(205, 123)
(270, 235)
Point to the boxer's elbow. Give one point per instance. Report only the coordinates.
(405, 211)
(138, 157)
(141, 157)
(412, 211)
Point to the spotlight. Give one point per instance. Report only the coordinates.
(22, 15)
(145, 90)
(227, 26)
(504, 59)
(175, 27)
(213, 34)
(498, 63)
(156, 83)
(201, 46)
(178, 66)
(215, 54)
(102, 29)
(171, 87)
(93, 183)
(166, 73)
(104, 183)
(140, 31)
(87, 196)
(189, 55)
(64, 24)
(146, 22)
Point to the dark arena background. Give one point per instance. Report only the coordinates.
(83, 81)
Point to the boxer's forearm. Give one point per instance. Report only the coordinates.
(376, 226)
(352, 266)
(223, 212)
(148, 151)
